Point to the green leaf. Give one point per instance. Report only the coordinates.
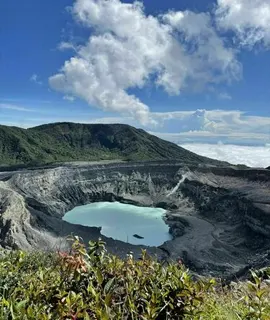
(99, 276)
(21, 304)
(109, 285)
(108, 299)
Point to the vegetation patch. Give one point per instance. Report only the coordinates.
(66, 141)
(89, 283)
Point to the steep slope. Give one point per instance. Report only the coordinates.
(71, 141)
(22, 146)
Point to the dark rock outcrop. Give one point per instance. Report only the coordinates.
(219, 217)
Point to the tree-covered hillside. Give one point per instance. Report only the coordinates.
(85, 142)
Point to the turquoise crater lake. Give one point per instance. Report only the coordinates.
(122, 221)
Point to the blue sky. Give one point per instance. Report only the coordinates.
(143, 65)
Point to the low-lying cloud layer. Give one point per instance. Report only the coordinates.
(198, 126)
(213, 126)
(250, 156)
(127, 49)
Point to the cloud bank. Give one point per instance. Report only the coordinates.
(128, 49)
(250, 156)
(213, 126)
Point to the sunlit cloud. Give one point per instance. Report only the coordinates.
(175, 51)
(249, 19)
(250, 156)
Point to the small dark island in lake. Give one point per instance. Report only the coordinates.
(137, 236)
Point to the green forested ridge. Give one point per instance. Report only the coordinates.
(85, 142)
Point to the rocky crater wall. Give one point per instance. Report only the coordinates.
(219, 217)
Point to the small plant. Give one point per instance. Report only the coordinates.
(257, 298)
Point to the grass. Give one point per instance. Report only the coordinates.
(89, 283)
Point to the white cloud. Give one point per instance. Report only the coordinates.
(250, 19)
(25, 100)
(199, 126)
(110, 120)
(177, 51)
(62, 46)
(250, 156)
(224, 96)
(212, 126)
(69, 98)
(237, 138)
(9, 106)
(34, 78)
(210, 60)
(215, 121)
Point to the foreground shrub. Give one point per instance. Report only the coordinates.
(88, 283)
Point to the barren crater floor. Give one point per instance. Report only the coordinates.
(218, 217)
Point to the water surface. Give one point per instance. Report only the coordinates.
(122, 221)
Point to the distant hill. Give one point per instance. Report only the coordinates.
(86, 142)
